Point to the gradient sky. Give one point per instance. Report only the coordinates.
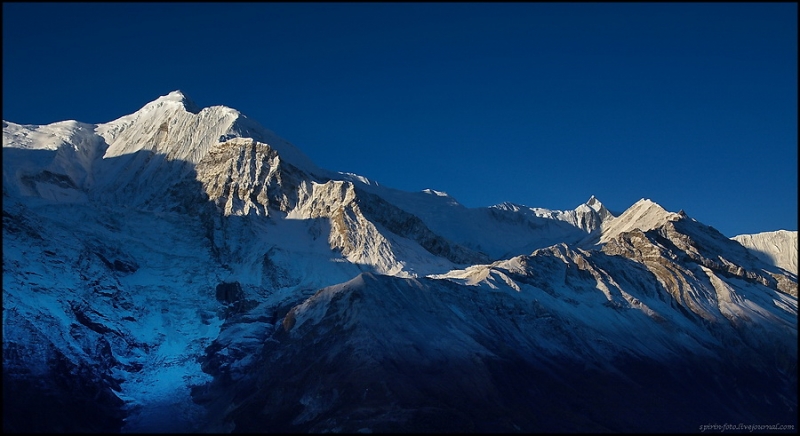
(691, 105)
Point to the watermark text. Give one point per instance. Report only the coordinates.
(746, 427)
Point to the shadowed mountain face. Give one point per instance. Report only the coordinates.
(392, 354)
(183, 269)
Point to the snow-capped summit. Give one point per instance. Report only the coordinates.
(173, 97)
(593, 221)
(137, 157)
(598, 207)
(174, 126)
(643, 215)
(176, 95)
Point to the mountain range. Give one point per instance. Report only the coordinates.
(183, 269)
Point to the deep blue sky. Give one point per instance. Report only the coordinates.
(691, 105)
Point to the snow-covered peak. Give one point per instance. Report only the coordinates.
(647, 203)
(778, 248)
(43, 137)
(166, 126)
(591, 204)
(595, 204)
(133, 158)
(643, 215)
(174, 126)
(174, 98)
(176, 95)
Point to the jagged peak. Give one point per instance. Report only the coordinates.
(595, 204)
(507, 205)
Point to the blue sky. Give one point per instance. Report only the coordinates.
(691, 105)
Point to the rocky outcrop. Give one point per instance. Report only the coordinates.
(244, 177)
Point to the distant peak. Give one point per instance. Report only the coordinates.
(595, 204)
(435, 192)
(644, 215)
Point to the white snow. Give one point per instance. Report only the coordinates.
(778, 248)
(435, 192)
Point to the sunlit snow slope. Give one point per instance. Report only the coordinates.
(778, 247)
